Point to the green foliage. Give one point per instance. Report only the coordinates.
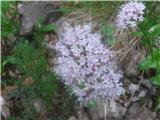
(92, 105)
(154, 31)
(30, 61)
(7, 60)
(156, 79)
(9, 24)
(9, 29)
(29, 58)
(153, 9)
(40, 30)
(97, 8)
(49, 28)
(153, 61)
(138, 34)
(149, 31)
(62, 9)
(142, 100)
(108, 32)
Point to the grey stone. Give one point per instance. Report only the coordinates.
(82, 115)
(108, 110)
(39, 105)
(32, 11)
(133, 88)
(130, 63)
(72, 118)
(139, 112)
(4, 109)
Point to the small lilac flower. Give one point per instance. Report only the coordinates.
(130, 14)
(85, 65)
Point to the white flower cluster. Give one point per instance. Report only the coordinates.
(130, 14)
(85, 65)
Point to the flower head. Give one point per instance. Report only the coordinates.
(130, 14)
(85, 65)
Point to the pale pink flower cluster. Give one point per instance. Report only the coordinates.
(85, 65)
(130, 14)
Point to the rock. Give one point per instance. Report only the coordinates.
(149, 102)
(117, 110)
(82, 115)
(32, 11)
(2, 102)
(137, 112)
(133, 88)
(134, 99)
(5, 112)
(4, 108)
(17, 71)
(72, 118)
(142, 93)
(147, 84)
(39, 105)
(126, 82)
(49, 43)
(107, 110)
(51, 39)
(12, 74)
(130, 63)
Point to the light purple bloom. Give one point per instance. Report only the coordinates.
(130, 14)
(85, 65)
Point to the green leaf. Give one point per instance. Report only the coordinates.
(146, 24)
(152, 61)
(4, 6)
(62, 9)
(139, 34)
(9, 23)
(155, 30)
(30, 61)
(49, 28)
(156, 80)
(9, 59)
(92, 105)
(147, 63)
(108, 31)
